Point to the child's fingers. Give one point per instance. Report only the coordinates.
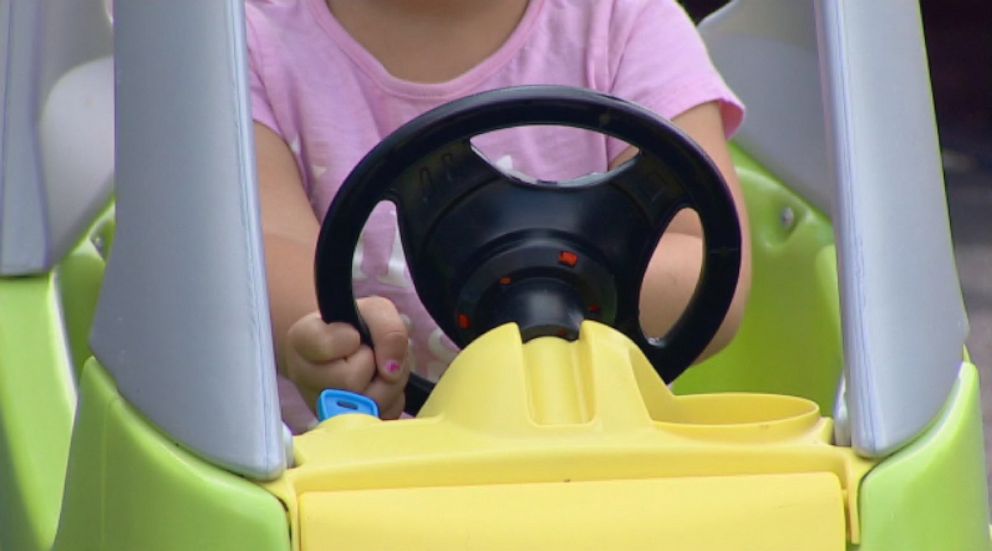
(389, 336)
(394, 411)
(353, 373)
(319, 342)
(388, 395)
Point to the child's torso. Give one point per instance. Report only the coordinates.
(333, 96)
(344, 101)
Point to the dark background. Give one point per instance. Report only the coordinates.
(959, 45)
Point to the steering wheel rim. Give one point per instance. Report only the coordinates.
(385, 174)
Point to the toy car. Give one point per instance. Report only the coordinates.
(845, 415)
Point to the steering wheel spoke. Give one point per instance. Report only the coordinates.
(428, 188)
(658, 194)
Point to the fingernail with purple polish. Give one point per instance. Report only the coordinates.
(392, 367)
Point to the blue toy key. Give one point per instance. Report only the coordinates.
(333, 402)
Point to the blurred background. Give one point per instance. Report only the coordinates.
(959, 46)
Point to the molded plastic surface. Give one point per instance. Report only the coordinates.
(76, 134)
(550, 411)
(333, 402)
(766, 512)
(904, 319)
(79, 277)
(129, 487)
(789, 341)
(766, 50)
(56, 128)
(931, 495)
(183, 320)
(873, 162)
(37, 400)
(23, 232)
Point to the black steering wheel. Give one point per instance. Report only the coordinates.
(485, 248)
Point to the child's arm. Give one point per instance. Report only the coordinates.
(674, 270)
(312, 354)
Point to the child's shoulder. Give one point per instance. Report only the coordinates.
(612, 22)
(273, 6)
(276, 12)
(276, 25)
(269, 6)
(613, 11)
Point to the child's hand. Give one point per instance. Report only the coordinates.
(321, 356)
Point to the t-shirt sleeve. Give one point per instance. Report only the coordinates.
(261, 106)
(658, 60)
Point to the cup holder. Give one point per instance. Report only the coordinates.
(739, 416)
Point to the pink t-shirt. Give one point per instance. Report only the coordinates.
(332, 101)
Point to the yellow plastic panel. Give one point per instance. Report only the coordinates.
(767, 513)
(587, 421)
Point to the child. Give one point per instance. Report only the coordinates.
(331, 78)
